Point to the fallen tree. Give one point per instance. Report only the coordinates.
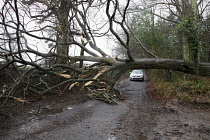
(61, 25)
(143, 63)
(169, 64)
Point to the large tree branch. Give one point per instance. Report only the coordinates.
(109, 61)
(170, 64)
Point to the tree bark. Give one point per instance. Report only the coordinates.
(168, 64)
(63, 32)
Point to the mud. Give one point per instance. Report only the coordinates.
(137, 118)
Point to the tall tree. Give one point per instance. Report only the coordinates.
(189, 20)
(70, 19)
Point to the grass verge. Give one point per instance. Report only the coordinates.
(181, 87)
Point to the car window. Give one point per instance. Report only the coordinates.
(137, 71)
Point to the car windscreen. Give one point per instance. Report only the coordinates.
(137, 72)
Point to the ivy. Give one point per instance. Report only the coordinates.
(191, 30)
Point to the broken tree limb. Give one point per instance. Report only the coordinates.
(64, 75)
(15, 98)
(80, 77)
(96, 76)
(72, 85)
(105, 97)
(70, 80)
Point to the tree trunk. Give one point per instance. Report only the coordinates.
(194, 8)
(209, 56)
(185, 49)
(184, 15)
(187, 12)
(168, 64)
(63, 32)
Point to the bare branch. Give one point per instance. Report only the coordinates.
(111, 20)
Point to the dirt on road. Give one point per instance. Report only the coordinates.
(137, 118)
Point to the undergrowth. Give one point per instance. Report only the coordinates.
(181, 87)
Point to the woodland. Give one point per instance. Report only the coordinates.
(57, 46)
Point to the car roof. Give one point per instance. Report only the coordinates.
(137, 70)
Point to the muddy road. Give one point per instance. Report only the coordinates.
(137, 118)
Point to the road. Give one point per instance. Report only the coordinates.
(137, 118)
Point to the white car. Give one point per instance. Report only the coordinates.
(137, 75)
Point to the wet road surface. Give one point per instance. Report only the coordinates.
(138, 118)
